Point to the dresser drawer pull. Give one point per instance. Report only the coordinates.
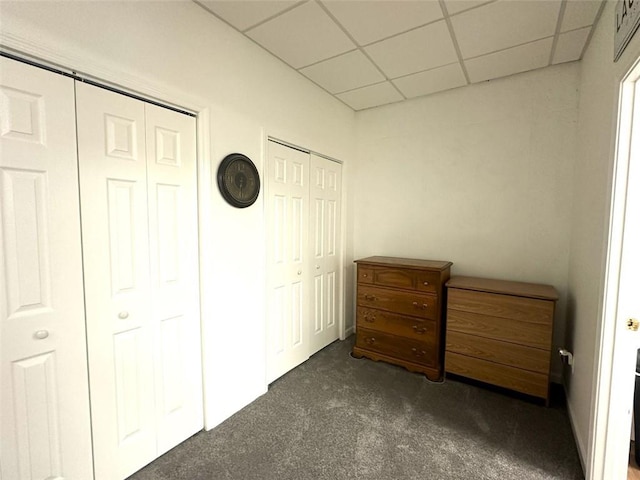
(418, 353)
(419, 330)
(423, 306)
(370, 340)
(365, 275)
(369, 319)
(426, 284)
(369, 297)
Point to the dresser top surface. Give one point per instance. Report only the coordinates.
(507, 287)
(405, 262)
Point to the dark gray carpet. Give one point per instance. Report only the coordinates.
(335, 417)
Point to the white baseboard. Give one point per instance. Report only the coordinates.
(582, 450)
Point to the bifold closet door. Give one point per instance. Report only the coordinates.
(303, 258)
(287, 259)
(115, 238)
(175, 291)
(325, 188)
(138, 197)
(44, 395)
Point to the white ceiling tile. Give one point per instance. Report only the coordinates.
(431, 81)
(368, 21)
(504, 24)
(507, 62)
(247, 13)
(372, 96)
(456, 6)
(579, 13)
(570, 45)
(420, 49)
(346, 72)
(302, 36)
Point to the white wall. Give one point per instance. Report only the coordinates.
(589, 224)
(480, 176)
(180, 53)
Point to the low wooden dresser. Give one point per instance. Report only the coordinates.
(400, 312)
(499, 332)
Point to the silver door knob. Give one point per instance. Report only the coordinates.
(317, 267)
(299, 272)
(122, 315)
(41, 334)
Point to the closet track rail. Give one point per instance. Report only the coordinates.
(80, 78)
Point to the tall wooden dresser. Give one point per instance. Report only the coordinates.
(400, 312)
(499, 332)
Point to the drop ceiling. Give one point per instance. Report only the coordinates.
(373, 52)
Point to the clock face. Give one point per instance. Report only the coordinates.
(238, 180)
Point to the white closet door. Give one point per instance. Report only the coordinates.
(173, 235)
(44, 402)
(112, 155)
(287, 259)
(325, 184)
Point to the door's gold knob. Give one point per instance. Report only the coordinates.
(633, 324)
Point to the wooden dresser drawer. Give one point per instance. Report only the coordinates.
(405, 278)
(422, 352)
(530, 310)
(523, 333)
(427, 282)
(365, 274)
(533, 359)
(398, 301)
(505, 376)
(395, 324)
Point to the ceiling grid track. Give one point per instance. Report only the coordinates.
(456, 46)
(595, 22)
(556, 36)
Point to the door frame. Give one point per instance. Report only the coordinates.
(613, 377)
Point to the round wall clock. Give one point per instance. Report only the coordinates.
(238, 180)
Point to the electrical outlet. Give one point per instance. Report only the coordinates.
(567, 357)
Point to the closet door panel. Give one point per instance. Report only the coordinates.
(173, 246)
(325, 190)
(287, 259)
(44, 399)
(120, 333)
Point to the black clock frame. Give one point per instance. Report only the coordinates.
(228, 195)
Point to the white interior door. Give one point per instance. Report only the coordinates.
(44, 399)
(287, 259)
(173, 241)
(325, 185)
(610, 451)
(115, 237)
